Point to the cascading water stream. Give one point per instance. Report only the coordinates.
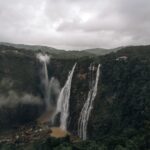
(44, 59)
(86, 110)
(63, 101)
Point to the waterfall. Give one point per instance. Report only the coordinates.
(86, 110)
(44, 59)
(63, 101)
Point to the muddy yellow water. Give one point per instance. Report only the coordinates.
(58, 133)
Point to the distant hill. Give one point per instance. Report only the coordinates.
(102, 51)
(57, 53)
(33, 47)
(54, 51)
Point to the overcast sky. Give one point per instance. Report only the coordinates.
(75, 24)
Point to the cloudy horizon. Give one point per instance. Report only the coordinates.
(80, 24)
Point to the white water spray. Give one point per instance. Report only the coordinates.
(86, 110)
(63, 101)
(53, 91)
(44, 59)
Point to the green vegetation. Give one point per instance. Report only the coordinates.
(120, 119)
(121, 114)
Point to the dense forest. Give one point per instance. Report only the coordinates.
(120, 118)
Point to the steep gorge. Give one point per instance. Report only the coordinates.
(121, 109)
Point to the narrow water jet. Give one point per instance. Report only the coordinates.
(63, 101)
(44, 59)
(87, 107)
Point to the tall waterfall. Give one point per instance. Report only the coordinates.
(44, 59)
(86, 110)
(63, 101)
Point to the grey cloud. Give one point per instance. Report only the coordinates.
(75, 24)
